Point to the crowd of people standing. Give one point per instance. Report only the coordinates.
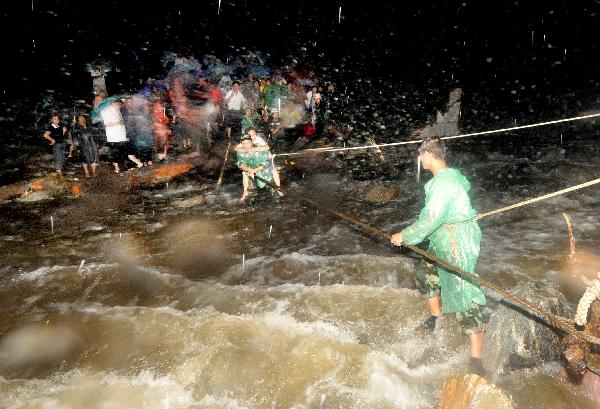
(142, 127)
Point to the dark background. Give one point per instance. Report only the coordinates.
(513, 50)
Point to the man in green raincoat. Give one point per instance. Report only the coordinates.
(447, 222)
(254, 163)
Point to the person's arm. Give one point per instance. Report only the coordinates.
(432, 216)
(246, 168)
(49, 138)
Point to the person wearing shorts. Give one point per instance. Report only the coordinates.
(448, 221)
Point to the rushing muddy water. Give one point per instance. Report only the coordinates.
(128, 301)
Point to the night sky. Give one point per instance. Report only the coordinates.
(548, 47)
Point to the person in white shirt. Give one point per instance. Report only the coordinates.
(98, 79)
(234, 103)
(116, 135)
(309, 101)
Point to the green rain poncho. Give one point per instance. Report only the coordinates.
(249, 121)
(447, 202)
(254, 160)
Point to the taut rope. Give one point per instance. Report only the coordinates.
(384, 145)
(530, 201)
(554, 320)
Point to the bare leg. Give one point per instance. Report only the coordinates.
(245, 183)
(94, 166)
(86, 172)
(277, 181)
(135, 160)
(116, 166)
(434, 306)
(476, 344)
(228, 132)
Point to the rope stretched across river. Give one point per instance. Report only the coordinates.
(383, 145)
(530, 201)
(562, 323)
(554, 320)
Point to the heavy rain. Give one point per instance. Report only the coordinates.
(316, 204)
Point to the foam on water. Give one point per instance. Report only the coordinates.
(146, 390)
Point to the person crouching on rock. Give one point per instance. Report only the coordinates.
(448, 222)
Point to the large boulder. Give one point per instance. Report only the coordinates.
(446, 123)
(471, 391)
(516, 339)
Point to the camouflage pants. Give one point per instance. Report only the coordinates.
(428, 283)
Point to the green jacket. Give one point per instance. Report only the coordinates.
(446, 202)
(248, 122)
(254, 160)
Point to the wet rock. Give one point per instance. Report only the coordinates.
(94, 227)
(381, 194)
(190, 202)
(471, 391)
(551, 154)
(35, 196)
(446, 123)
(578, 175)
(590, 383)
(516, 339)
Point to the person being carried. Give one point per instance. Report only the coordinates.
(447, 221)
(252, 163)
(260, 145)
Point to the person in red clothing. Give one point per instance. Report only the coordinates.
(162, 133)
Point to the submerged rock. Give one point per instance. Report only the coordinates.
(190, 202)
(381, 194)
(471, 391)
(34, 196)
(516, 339)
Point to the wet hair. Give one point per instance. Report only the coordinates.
(435, 146)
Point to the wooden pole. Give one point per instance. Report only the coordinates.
(222, 173)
